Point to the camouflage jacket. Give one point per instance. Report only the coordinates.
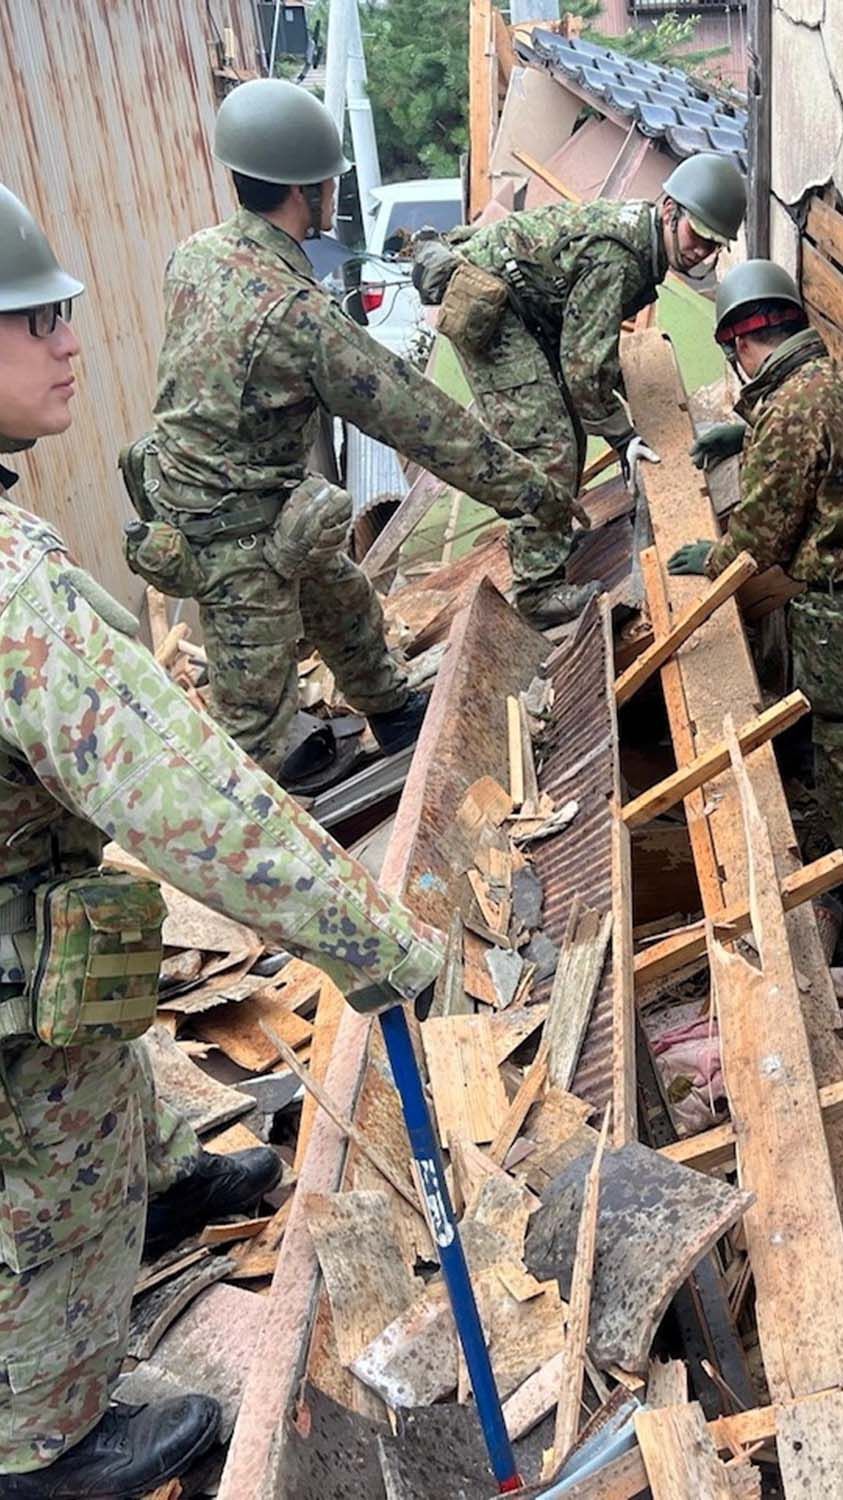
(595, 265)
(98, 742)
(791, 505)
(254, 347)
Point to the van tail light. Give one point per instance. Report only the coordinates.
(372, 295)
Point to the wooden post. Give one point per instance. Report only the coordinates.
(481, 71)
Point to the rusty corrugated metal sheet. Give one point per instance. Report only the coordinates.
(109, 106)
(579, 762)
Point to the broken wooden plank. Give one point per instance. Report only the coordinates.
(809, 1444)
(413, 1362)
(689, 943)
(688, 622)
(468, 1093)
(667, 1382)
(343, 1123)
(793, 1229)
(642, 1258)
(679, 1455)
(624, 1082)
(196, 1096)
(575, 985)
(576, 1330)
(681, 783)
(530, 1090)
(237, 1028)
(329, 1011)
(516, 751)
(369, 1282)
(717, 677)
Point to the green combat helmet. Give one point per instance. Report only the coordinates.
(712, 192)
(750, 282)
(278, 132)
(30, 275)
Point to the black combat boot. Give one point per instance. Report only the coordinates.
(556, 606)
(131, 1451)
(217, 1186)
(399, 728)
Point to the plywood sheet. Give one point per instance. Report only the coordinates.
(468, 1093)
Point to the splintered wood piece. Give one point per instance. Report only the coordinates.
(486, 801)
(369, 1283)
(471, 1168)
(696, 614)
(689, 943)
(667, 1382)
(513, 1026)
(576, 1331)
(679, 1455)
(157, 1310)
(516, 752)
(575, 985)
(531, 786)
(159, 621)
(468, 1093)
(476, 976)
(413, 1362)
(523, 1333)
(227, 1234)
(556, 1127)
(235, 1138)
(526, 1407)
(450, 997)
(236, 1029)
(379, 1115)
(793, 1230)
(347, 1126)
(503, 1206)
(257, 1257)
(534, 1081)
(329, 1011)
(642, 1257)
(809, 1443)
(170, 1491)
(713, 762)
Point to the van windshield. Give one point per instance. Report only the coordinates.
(440, 214)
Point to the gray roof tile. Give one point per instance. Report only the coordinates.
(663, 102)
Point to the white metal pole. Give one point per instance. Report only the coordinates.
(336, 61)
(362, 121)
(274, 43)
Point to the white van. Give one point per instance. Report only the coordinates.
(389, 299)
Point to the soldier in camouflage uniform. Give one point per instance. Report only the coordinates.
(790, 436)
(97, 743)
(546, 370)
(254, 351)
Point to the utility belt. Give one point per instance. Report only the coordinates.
(93, 950)
(159, 546)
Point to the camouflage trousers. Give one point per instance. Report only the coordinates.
(254, 622)
(520, 401)
(816, 643)
(94, 1142)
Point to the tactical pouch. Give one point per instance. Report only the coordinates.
(472, 307)
(97, 959)
(162, 556)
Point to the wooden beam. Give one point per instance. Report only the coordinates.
(681, 783)
(684, 746)
(716, 676)
(679, 1455)
(649, 662)
(825, 228)
(689, 943)
(793, 1229)
(482, 110)
(546, 176)
(714, 1150)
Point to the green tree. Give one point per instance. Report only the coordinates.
(417, 59)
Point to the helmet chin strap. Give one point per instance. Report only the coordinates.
(675, 256)
(313, 198)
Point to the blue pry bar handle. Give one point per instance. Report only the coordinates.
(446, 1232)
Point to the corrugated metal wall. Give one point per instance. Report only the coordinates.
(108, 107)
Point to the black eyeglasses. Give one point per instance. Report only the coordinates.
(42, 320)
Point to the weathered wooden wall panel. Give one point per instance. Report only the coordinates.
(109, 109)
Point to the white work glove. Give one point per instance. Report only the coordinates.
(638, 452)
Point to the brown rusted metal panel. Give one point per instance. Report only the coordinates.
(579, 764)
(491, 653)
(109, 110)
